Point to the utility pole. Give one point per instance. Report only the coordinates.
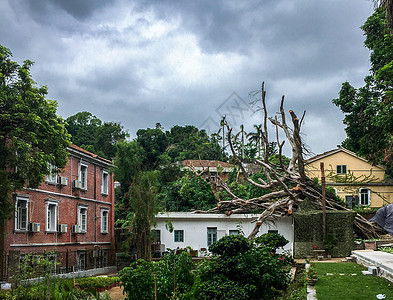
(323, 199)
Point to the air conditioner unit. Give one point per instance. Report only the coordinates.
(76, 229)
(61, 180)
(34, 227)
(76, 184)
(62, 228)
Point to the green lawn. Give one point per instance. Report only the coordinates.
(346, 281)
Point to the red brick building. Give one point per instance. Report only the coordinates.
(71, 212)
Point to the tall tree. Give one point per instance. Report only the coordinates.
(90, 133)
(368, 110)
(388, 5)
(31, 134)
(144, 205)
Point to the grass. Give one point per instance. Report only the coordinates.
(346, 281)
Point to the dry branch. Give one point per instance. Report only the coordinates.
(289, 184)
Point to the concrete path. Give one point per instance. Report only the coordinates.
(311, 293)
(382, 260)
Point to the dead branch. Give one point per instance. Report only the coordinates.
(288, 184)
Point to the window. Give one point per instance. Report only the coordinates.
(21, 213)
(52, 176)
(211, 235)
(83, 176)
(104, 220)
(81, 260)
(179, 235)
(51, 215)
(341, 169)
(104, 182)
(157, 235)
(82, 217)
(104, 258)
(364, 195)
(272, 231)
(234, 232)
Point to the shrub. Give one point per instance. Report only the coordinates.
(271, 240)
(253, 269)
(230, 245)
(138, 279)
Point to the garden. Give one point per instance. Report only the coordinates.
(238, 269)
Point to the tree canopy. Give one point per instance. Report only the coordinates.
(369, 109)
(90, 133)
(31, 134)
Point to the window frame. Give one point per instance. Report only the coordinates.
(178, 236)
(53, 173)
(17, 223)
(104, 219)
(361, 194)
(157, 235)
(49, 218)
(211, 235)
(341, 169)
(104, 182)
(233, 232)
(82, 207)
(81, 257)
(83, 178)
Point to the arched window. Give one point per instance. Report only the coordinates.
(364, 196)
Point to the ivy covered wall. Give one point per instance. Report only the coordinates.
(308, 232)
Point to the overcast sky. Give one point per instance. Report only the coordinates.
(188, 62)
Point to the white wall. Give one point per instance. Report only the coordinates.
(195, 228)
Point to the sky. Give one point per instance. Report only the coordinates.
(191, 62)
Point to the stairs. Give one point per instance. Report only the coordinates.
(372, 271)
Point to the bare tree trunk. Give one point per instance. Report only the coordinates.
(289, 184)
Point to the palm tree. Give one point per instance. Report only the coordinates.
(388, 5)
(256, 137)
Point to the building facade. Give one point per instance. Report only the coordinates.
(71, 213)
(353, 178)
(199, 231)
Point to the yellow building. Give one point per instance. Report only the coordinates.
(352, 177)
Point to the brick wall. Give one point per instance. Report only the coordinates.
(68, 200)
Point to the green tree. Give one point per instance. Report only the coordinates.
(188, 142)
(90, 133)
(144, 207)
(154, 142)
(190, 193)
(31, 134)
(368, 110)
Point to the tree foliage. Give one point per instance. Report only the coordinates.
(92, 134)
(144, 207)
(31, 134)
(368, 110)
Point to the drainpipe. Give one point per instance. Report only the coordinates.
(95, 204)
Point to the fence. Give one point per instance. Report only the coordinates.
(66, 261)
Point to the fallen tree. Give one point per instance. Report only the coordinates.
(288, 184)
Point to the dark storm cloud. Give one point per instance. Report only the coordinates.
(43, 10)
(175, 62)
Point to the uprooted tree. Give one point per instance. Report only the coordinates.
(288, 184)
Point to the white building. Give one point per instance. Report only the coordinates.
(198, 231)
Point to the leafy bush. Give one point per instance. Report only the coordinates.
(230, 245)
(96, 282)
(253, 269)
(138, 279)
(60, 289)
(273, 241)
